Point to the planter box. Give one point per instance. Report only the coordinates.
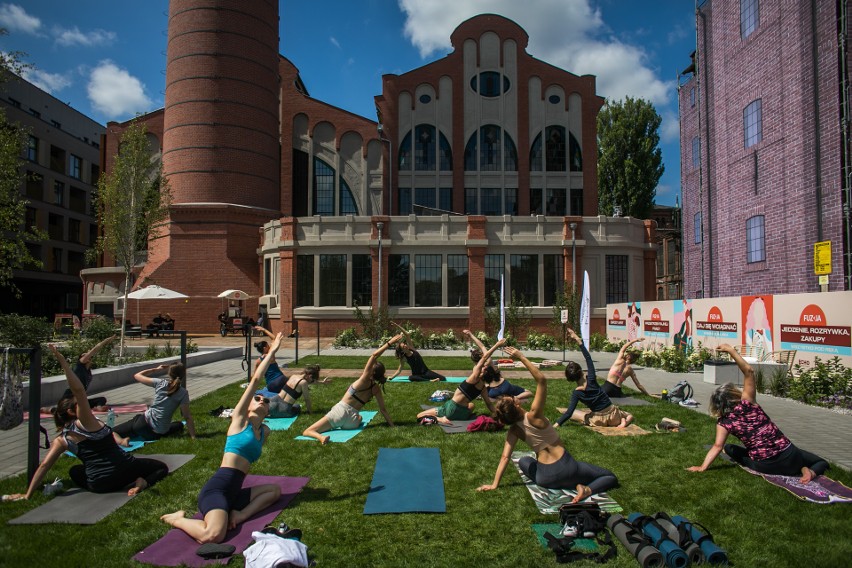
(721, 372)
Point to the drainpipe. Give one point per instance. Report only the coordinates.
(706, 220)
(844, 133)
(817, 143)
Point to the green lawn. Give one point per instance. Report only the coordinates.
(758, 524)
(437, 362)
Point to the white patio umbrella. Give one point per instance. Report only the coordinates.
(234, 295)
(152, 292)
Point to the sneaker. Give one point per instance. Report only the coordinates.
(53, 488)
(570, 529)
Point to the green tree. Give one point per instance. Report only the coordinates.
(132, 204)
(630, 163)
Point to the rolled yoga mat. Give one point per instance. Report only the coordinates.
(635, 542)
(696, 555)
(674, 555)
(712, 553)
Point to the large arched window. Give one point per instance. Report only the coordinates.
(421, 146)
(575, 154)
(556, 155)
(494, 149)
(325, 192)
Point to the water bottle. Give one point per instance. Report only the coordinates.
(665, 394)
(110, 418)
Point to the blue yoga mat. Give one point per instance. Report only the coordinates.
(280, 423)
(404, 379)
(346, 435)
(407, 480)
(134, 445)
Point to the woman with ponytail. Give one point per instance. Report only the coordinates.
(169, 395)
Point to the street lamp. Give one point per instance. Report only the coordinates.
(390, 169)
(379, 227)
(573, 227)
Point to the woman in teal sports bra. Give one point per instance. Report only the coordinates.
(223, 502)
(345, 414)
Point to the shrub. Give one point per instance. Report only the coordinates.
(346, 338)
(24, 331)
(597, 342)
(673, 360)
(825, 381)
(778, 385)
(98, 328)
(649, 358)
(541, 341)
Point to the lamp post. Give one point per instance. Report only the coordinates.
(379, 227)
(573, 227)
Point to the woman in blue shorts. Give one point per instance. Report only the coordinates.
(498, 387)
(275, 377)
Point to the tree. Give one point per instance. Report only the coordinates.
(132, 204)
(630, 163)
(14, 236)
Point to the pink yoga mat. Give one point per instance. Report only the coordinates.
(820, 489)
(176, 548)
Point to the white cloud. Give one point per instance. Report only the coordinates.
(68, 37)
(567, 33)
(334, 42)
(115, 92)
(15, 19)
(48, 82)
(670, 126)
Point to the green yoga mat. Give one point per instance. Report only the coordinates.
(404, 379)
(346, 435)
(581, 544)
(407, 480)
(280, 423)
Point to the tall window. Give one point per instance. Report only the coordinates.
(753, 123)
(305, 280)
(332, 280)
(616, 278)
(398, 282)
(426, 148)
(74, 230)
(749, 17)
(696, 227)
(457, 280)
(755, 239)
(524, 278)
(362, 280)
(493, 148)
(494, 269)
(32, 148)
(75, 166)
(427, 280)
(575, 154)
(692, 96)
(555, 154)
(554, 277)
(696, 152)
(324, 193)
(347, 201)
(58, 193)
(491, 201)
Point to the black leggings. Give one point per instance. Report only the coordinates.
(150, 470)
(138, 429)
(789, 462)
(427, 376)
(612, 391)
(566, 473)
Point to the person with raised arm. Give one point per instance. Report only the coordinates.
(83, 370)
(345, 414)
(169, 395)
(405, 352)
(274, 376)
(622, 369)
(460, 406)
(223, 502)
(284, 404)
(106, 467)
(553, 467)
(765, 448)
(498, 387)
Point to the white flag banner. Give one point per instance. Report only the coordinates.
(585, 311)
(502, 311)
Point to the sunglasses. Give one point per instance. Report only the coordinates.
(262, 399)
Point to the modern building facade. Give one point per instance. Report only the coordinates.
(765, 162)
(482, 168)
(61, 162)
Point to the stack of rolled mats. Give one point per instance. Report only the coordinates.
(661, 540)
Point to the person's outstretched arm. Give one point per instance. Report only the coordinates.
(475, 340)
(84, 412)
(749, 387)
(380, 400)
(142, 376)
(639, 386)
(265, 331)
(58, 447)
(575, 398)
(190, 423)
(374, 357)
(715, 450)
(241, 409)
(485, 357)
(537, 407)
(398, 369)
(505, 457)
(627, 345)
(88, 355)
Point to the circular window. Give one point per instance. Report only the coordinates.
(554, 99)
(425, 99)
(488, 84)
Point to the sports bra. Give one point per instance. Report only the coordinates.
(539, 438)
(469, 390)
(244, 444)
(291, 391)
(354, 393)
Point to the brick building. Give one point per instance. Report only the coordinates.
(763, 148)
(482, 166)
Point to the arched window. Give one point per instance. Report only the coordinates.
(554, 149)
(445, 153)
(495, 150)
(536, 162)
(424, 143)
(575, 154)
(326, 196)
(510, 154)
(424, 147)
(489, 148)
(347, 200)
(404, 160)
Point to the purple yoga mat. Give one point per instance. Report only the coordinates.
(820, 489)
(177, 548)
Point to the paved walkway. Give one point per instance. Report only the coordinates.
(821, 431)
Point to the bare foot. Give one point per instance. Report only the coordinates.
(628, 420)
(124, 442)
(434, 380)
(234, 519)
(138, 487)
(583, 492)
(622, 424)
(101, 409)
(807, 475)
(172, 518)
(324, 440)
(444, 420)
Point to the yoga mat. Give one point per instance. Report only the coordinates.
(134, 445)
(635, 542)
(548, 501)
(80, 507)
(280, 423)
(581, 544)
(407, 480)
(457, 426)
(345, 435)
(820, 489)
(404, 379)
(177, 548)
(629, 430)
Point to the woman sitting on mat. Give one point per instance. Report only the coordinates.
(766, 449)
(275, 378)
(345, 414)
(498, 387)
(106, 467)
(283, 405)
(460, 407)
(419, 371)
(620, 370)
(169, 395)
(223, 501)
(602, 412)
(553, 467)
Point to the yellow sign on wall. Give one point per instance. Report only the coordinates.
(822, 258)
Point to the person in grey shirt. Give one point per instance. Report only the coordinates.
(169, 395)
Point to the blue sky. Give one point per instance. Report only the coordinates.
(107, 59)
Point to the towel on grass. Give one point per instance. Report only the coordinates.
(629, 430)
(341, 436)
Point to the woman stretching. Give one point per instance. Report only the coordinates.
(620, 370)
(169, 395)
(460, 407)
(345, 414)
(553, 467)
(223, 501)
(106, 467)
(498, 387)
(275, 378)
(419, 371)
(766, 449)
(603, 411)
(283, 405)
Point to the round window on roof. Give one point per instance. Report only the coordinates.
(488, 84)
(554, 99)
(425, 99)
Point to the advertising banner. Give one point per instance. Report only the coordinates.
(657, 322)
(717, 321)
(616, 321)
(815, 325)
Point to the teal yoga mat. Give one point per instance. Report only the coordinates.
(404, 379)
(407, 480)
(134, 445)
(280, 423)
(346, 435)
